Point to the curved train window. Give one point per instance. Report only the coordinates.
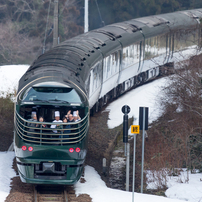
(52, 94)
(111, 65)
(95, 77)
(87, 85)
(131, 55)
(185, 38)
(155, 46)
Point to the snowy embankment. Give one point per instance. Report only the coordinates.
(99, 192)
(143, 96)
(6, 173)
(9, 77)
(94, 186)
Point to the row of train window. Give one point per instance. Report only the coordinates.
(135, 53)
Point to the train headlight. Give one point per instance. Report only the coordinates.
(77, 149)
(24, 148)
(71, 150)
(30, 149)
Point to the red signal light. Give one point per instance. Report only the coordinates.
(77, 149)
(71, 150)
(24, 148)
(30, 149)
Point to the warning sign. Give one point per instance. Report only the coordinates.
(135, 129)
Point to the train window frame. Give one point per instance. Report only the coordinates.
(155, 46)
(184, 39)
(131, 55)
(38, 96)
(48, 111)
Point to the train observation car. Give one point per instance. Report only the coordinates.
(79, 76)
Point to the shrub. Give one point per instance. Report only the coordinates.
(6, 122)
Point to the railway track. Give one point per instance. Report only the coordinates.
(55, 193)
(22, 192)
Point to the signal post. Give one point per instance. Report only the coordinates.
(135, 129)
(143, 122)
(126, 109)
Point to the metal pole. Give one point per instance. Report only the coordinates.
(104, 165)
(86, 16)
(55, 32)
(143, 138)
(127, 166)
(125, 131)
(134, 149)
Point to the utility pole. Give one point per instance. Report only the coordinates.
(86, 16)
(55, 29)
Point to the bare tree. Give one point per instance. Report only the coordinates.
(24, 7)
(22, 30)
(175, 140)
(15, 47)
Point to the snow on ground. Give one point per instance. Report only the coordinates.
(6, 173)
(143, 96)
(94, 186)
(188, 191)
(185, 186)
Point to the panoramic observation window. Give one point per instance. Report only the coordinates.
(52, 94)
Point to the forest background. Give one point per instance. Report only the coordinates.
(25, 23)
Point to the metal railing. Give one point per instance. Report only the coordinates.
(63, 134)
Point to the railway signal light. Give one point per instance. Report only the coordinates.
(125, 109)
(143, 118)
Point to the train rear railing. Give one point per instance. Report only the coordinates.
(64, 134)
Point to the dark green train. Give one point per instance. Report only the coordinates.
(81, 75)
(48, 155)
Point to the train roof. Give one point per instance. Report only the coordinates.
(79, 54)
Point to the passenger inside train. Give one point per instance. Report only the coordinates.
(47, 112)
(46, 100)
(57, 120)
